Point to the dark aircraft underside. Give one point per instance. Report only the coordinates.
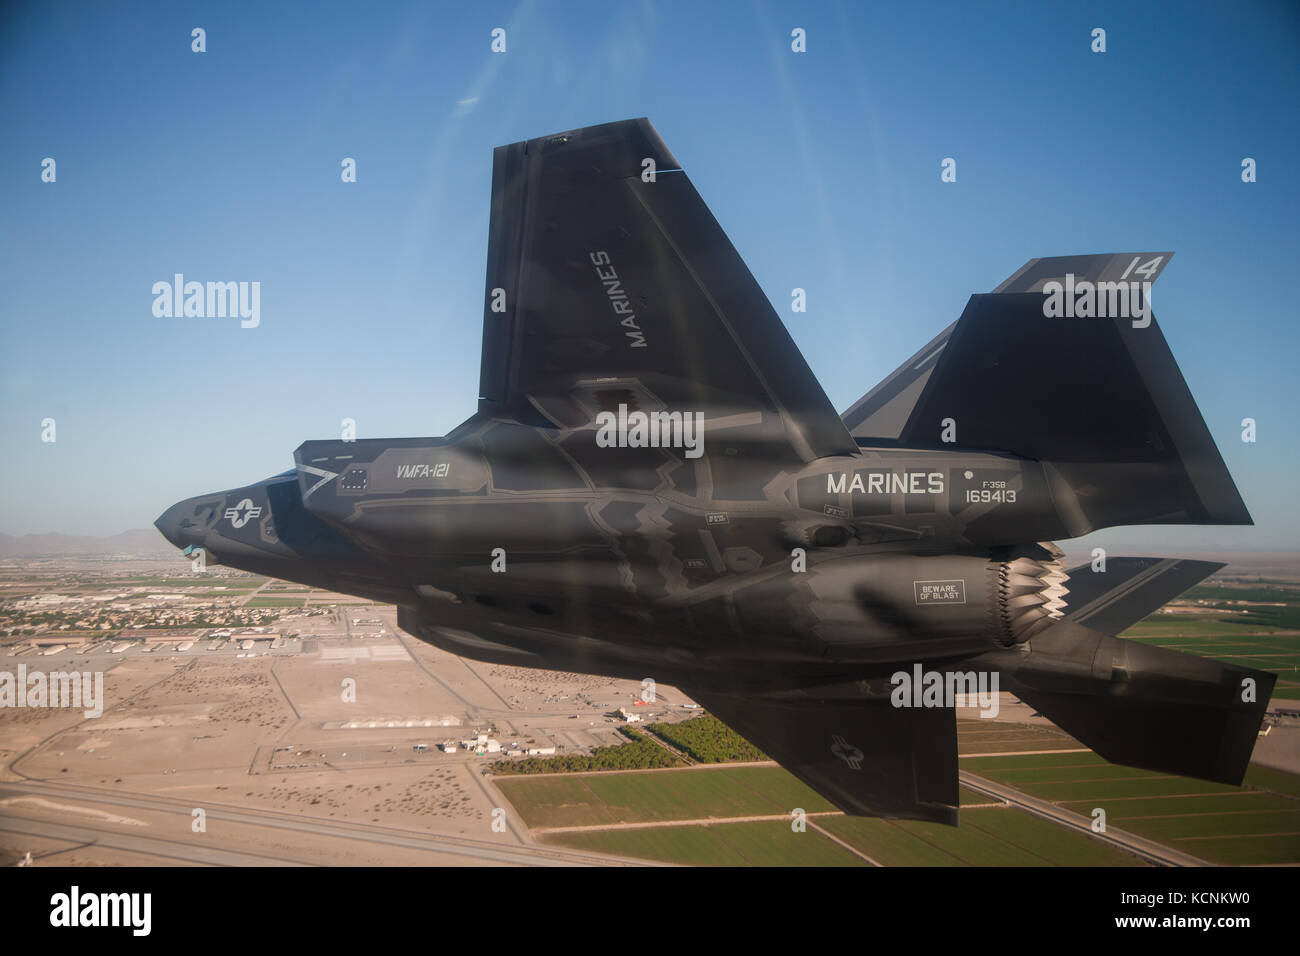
(655, 485)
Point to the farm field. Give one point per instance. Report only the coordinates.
(275, 601)
(1258, 823)
(644, 814)
(1256, 625)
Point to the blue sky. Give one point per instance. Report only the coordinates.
(822, 167)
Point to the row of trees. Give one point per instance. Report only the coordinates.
(708, 740)
(639, 753)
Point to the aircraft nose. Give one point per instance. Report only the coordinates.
(169, 523)
(177, 524)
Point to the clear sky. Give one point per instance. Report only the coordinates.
(823, 168)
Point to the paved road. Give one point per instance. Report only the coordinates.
(441, 844)
(175, 850)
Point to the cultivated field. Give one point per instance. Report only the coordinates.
(1256, 823)
(646, 814)
(1255, 624)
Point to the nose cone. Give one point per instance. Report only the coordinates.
(176, 525)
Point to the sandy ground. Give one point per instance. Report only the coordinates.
(325, 729)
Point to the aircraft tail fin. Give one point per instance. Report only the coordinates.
(1099, 401)
(611, 284)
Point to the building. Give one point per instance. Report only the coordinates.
(483, 744)
(269, 637)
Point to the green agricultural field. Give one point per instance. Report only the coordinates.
(1025, 778)
(1254, 592)
(109, 584)
(645, 796)
(994, 836)
(1280, 646)
(261, 601)
(599, 807)
(1221, 824)
(188, 580)
(1258, 638)
(1193, 625)
(978, 736)
(759, 843)
(986, 837)
(1257, 823)
(1269, 778)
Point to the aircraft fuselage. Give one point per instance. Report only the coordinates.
(512, 542)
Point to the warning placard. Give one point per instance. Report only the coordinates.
(940, 592)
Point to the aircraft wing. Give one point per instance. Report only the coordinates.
(607, 287)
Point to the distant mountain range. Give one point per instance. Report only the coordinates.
(145, 541)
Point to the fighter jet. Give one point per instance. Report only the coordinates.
(654, 485)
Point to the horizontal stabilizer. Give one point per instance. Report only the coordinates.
(1129, 589)
(864, 755)
(1139, 705)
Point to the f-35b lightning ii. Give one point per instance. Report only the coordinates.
(655, 485)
